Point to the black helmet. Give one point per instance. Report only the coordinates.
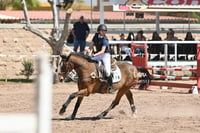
(102, 27)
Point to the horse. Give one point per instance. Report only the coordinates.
(89, 82)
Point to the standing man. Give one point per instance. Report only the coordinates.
(80, 32)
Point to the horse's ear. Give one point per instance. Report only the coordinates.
(67, 53)
(63, 56)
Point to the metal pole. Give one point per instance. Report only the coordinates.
(189, 21)
(158, 22)
(175, 52)
(101, 11)
(91, 14)
(124, 21)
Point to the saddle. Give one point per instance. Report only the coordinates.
(115, 71)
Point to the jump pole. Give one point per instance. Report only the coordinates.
(143, 62)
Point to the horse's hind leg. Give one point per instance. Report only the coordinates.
(129, 96)
(114, 103)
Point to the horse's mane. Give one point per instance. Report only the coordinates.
(82, 55)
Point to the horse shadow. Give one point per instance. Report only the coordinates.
(81, 118)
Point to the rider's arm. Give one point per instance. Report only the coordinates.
(103, 49)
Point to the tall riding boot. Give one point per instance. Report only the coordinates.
(110, 87)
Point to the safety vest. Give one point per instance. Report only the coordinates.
(98, 43)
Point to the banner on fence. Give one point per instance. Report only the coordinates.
(155, 5)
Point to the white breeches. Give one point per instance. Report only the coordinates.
(106, 61)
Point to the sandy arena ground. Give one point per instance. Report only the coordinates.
(158, 111)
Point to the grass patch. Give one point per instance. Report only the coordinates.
(19, 80)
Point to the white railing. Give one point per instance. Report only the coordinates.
(165, 55)
(40, 120)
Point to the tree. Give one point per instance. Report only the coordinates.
(4, 4)
(16, 4)
(57, 38)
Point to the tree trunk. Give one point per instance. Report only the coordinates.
(55, 40)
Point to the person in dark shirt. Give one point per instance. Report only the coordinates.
(140, 37)
(156, 48)
(80, 32)
(189, 48)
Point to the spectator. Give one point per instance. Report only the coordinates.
(140, 37)
(171, 37)
(189, 48)
(80, 32)
(156, 48)
(130, 38)
(124, 47)
(112, 47)
(189, 37)
(174, 38)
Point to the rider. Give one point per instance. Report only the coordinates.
(100, 43)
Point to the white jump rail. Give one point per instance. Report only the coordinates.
(40, 120)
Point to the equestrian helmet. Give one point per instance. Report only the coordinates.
(102, 27)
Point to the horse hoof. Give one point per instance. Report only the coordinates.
(133, 108)
(70, 118)
(98, 117)
(62, 111)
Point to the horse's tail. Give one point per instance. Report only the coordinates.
(145, 78)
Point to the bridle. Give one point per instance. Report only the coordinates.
(70, 66)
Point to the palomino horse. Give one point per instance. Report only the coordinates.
(89, 82)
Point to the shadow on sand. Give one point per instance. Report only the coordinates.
(82, 118)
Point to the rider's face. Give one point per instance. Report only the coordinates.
(102, 32)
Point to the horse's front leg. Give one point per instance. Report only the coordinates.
(115, 102)
(65, 105)
(78, 102)
(80, 94)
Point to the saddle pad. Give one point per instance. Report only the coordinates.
(116, 75)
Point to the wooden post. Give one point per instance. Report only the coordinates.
(44, 85)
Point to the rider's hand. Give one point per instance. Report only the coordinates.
(88, 52)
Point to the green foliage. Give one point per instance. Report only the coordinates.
(28, 69)
(195, 15)
(4, 3)
(16, 4)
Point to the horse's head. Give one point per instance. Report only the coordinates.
(75, 61)
(65, 66)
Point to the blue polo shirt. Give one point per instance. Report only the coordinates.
(80, 30)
